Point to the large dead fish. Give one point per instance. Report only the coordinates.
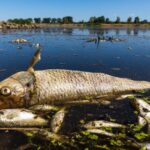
(54, 86)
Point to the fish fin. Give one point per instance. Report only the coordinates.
(36, 58)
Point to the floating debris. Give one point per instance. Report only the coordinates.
(19, 47)
(20, 41)
(105, 39)
(115, 69)
(129, 48)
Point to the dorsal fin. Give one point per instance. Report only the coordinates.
(36, 58)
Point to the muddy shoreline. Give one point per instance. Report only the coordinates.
(6, 25)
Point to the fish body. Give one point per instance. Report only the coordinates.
(102, 124)
(20, 118)
(56, 86)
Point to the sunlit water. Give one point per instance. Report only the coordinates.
(68, 49)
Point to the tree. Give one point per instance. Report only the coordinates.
(137, 20)
(118, 20)
(129, 20)
(100, 19)
(92, 20)
(107, 20)
(21, 21)
(144, 21)
(59, 20)
(37, 20)
(68, 19)
(53, 20)
(46, 20)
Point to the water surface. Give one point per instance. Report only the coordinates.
(67, 49)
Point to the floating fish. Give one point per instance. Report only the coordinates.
(56, 86)
(20, 41)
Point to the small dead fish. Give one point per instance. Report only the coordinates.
(101, 132)
(141, 106)
(57, 120)
(44, 108)
(20, 117)
(20, 41)
(102, 124)
(141, 121)
(144, 110)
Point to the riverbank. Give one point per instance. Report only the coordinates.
(7, 25)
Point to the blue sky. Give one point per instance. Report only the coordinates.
(79, 9)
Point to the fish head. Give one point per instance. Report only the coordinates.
(15, 91)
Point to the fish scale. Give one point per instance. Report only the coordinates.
(57, 86)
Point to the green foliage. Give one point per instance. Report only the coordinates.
(37, 20)
(137, 20)
(67, 20)
(21, 21)
(129, 20)
(118, 20)
(116, 142)
(141, 136)
(29, 134)
(46, 20)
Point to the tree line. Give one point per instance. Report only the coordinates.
(69, 19)
(64, 20)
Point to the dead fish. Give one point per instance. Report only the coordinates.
(57, 120)
(19, 41)
(44, 108)
(144, 110)
(20, 118)
(56, 86)
(141, 121)
(102, 124)
(102, 132)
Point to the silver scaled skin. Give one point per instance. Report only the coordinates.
(53, 86)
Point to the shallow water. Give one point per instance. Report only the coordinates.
(67, 49)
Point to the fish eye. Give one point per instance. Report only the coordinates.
(5, 91)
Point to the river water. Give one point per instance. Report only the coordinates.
(68, 49)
